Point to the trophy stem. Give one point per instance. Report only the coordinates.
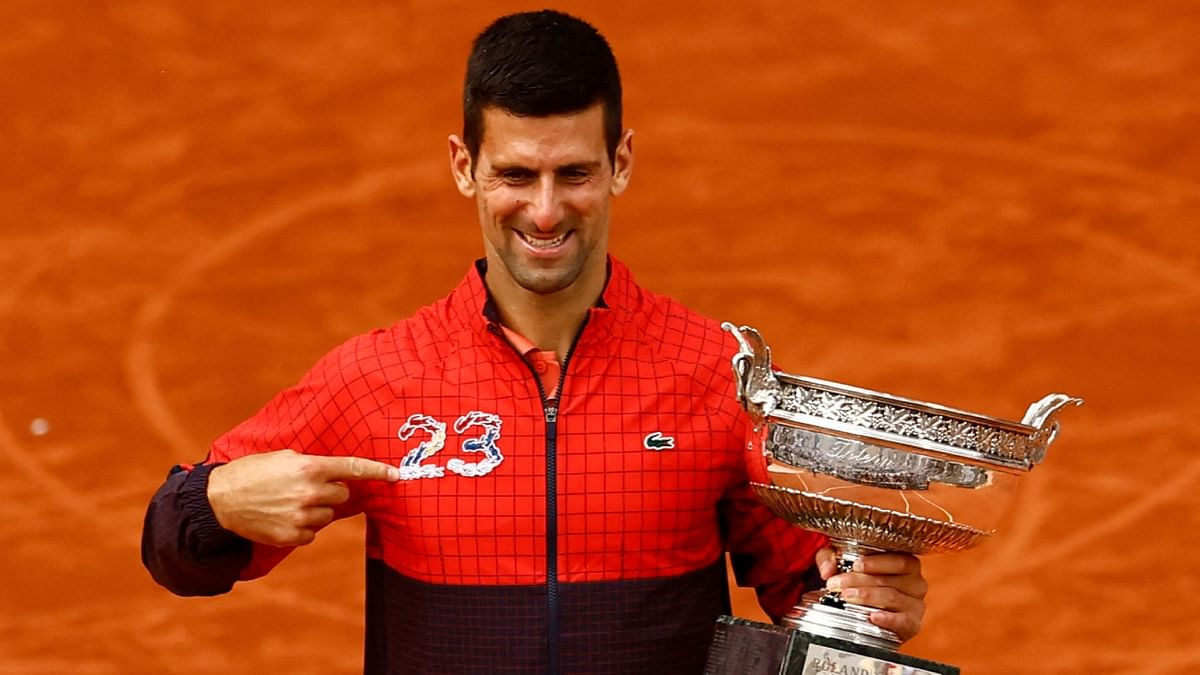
(825, 613)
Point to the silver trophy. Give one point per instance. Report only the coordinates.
(877, 472)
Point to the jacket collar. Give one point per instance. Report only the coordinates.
(471, 308)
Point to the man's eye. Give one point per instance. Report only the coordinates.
(575, 176)
(516, 176)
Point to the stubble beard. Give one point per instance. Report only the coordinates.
(544, 280)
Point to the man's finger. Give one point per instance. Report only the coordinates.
(826, 562)
(912, 585)
(888, 563)
(882, 597)
(315, 517)
(355, 468)
(329, 493)
(905, 625)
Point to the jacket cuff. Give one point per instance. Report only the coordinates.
(205, 536)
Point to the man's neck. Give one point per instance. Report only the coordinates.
(549, 321)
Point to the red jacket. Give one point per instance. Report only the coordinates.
(583, 534)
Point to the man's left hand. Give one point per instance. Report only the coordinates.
(890, 582)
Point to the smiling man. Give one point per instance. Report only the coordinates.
(542, 186)
(550, 457)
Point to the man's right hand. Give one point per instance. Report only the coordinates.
(282, 498)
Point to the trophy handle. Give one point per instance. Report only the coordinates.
(1043, 416)
(757, 388)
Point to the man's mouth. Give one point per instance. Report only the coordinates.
(543, 244)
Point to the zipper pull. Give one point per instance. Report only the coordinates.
(552, 413)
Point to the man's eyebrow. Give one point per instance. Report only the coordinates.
(579, 166)
(573, 166)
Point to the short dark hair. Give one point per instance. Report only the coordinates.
(535, 64)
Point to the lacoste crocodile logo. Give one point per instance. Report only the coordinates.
(656, 441)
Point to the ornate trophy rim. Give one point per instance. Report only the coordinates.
(889, 420)
(852, 391)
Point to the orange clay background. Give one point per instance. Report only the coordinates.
(970, 203)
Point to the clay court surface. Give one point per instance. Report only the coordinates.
(975, 204)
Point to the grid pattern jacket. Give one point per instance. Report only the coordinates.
(578, 534)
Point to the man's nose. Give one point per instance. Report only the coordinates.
(545, 207)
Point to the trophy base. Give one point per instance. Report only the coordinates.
(742, 647)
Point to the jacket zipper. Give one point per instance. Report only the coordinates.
(550, 411)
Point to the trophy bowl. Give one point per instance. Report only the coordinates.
(876, 472)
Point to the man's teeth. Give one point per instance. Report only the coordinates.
(544, 243)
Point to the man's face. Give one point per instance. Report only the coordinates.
(542, 187)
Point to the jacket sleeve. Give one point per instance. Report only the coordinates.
(768, 553)
(183, 546)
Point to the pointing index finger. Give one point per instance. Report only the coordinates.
(357, 468)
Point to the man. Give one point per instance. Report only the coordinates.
(550, 457)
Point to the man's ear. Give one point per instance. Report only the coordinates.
(622, 163)
(460, 166)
